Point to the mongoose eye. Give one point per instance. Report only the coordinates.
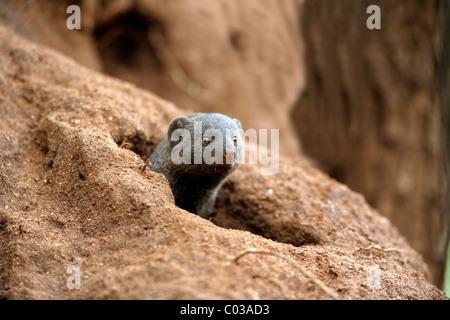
(180, 138)
(206, 140)
(235, 140)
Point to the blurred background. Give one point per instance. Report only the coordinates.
(369, 107)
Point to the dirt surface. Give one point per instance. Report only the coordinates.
(73, 192)
(45, 22)
(208, 56)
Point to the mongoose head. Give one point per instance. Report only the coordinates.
(207, 143)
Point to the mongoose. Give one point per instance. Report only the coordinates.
(210, 148)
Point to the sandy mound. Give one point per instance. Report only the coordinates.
(72, 192)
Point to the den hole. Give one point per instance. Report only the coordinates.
(137, 143)
(127, 41)
(237, 40)
(243, 214)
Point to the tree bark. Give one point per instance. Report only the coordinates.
(444, 95)
(370, 113)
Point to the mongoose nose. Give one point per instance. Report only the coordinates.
(229, 155)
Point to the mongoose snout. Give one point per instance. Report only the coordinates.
(229, 156)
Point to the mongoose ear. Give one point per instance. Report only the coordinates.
(238, 123)
(176, 123)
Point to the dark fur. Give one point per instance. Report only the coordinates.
(195, 186)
